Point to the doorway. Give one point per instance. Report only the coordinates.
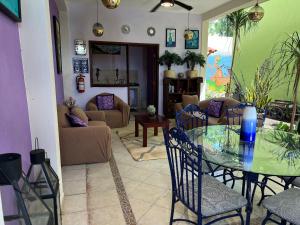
(143, 76)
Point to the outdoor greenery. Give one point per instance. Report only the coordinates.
(220, 27)
(288, 55)
(259, 90)
(238, 22)
(192, 59)
(170, 59)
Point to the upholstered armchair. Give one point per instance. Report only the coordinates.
(116, 117)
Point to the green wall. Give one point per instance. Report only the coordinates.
(282, 17)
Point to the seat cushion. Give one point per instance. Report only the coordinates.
(96, 124)
(286, 205)
(213, 120)
(189, 99)
(217, 198)
(214, 108)
(113, 118)
(295, 182)
(63, 121)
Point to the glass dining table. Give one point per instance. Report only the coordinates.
(274, 153)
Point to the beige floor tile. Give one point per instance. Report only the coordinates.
(79, 218)
(111, 215)
(139, 207)
(130, 185)
(75, 167)
(74, 187)
(159, 180)
(100, 199)
(100, 184)
(74, 203)
(146, 192)
(136, 174)
(72, 175)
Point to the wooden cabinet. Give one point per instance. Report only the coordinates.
(173, 89)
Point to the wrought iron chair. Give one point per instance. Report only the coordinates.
(285, 205)
(202, 194)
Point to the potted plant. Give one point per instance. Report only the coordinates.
(192, 59)
(169, 59)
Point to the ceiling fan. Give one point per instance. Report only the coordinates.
(171, 3)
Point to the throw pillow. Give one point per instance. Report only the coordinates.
(189, 99)
(215, 108)
(78, 112)
(105, 102)
(75, 121)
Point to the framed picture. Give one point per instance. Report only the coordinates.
(80, 65)
(194, 43)
(12, 8)
(170, 38)
(57, 39)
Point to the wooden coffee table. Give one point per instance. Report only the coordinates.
(146, 122)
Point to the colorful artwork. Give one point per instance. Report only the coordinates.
(170, 37)
(11, 8)
(194, 43)
(217, 74)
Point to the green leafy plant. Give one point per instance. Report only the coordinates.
(237, 22)
(170, 59)
(192, 59)
(282, 126)
(289, 64)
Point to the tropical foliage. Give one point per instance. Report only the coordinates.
(170, 59)
(192, 59)
(288, 54)
(220, 27)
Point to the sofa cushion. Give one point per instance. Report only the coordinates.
(75, 121)
(105, 102)
(78, 112)
(214, 108)
(96, 124)
(61, 114)
(113, 118)
(213, 120)
(189, 99)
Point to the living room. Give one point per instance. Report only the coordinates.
(91, 87)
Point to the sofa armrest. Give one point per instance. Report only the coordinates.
(85, 144)
(96, 115)
(125, 109)
(91, 107)
(178, 107)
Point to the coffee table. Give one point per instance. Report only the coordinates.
(146, 122)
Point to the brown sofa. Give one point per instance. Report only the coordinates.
(228, 102)
(118, 117)
(81, 145)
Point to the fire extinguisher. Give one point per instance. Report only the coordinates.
(80, 83)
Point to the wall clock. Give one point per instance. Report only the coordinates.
(125, 29)
(151, 31)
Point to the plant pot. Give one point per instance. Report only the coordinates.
(192, 73)
(170, 74)
(10, 167)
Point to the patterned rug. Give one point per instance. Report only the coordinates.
(155, 144)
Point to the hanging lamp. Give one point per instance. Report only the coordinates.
(167, 3)
(188, 34)
(98, 29)
(256, 13)
(111, 4)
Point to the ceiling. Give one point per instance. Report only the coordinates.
(200, 6)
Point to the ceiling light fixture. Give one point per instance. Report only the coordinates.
(167, 3)
(98, 29)
(256, 13)
(188, 34)
(111, 4)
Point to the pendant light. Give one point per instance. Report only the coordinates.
(256, 13)
(188, 34)
(167, 3)
(98, 29)
(111, 4)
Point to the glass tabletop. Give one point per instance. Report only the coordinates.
(274, 152)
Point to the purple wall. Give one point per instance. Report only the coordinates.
(14, 124)
(58, 77)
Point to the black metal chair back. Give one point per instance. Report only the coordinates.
(185, 161)
(191, 117)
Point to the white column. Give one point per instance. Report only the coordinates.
(204, 45)
(38, 66)
(1, 212)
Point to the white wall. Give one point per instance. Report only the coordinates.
(38, 66)
(82, 16)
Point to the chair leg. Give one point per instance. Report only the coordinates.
(233, 179)
(253, 193)
(241, 217)
(224, 176)
(262, 188)
(264, 222)
(243, 185)
(172, 209)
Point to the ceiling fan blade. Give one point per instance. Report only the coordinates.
(187, 7)
(155, 8)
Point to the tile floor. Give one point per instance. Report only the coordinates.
(91, 197)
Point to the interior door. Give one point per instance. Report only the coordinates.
(152, 75)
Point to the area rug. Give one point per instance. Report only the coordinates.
(155, 144)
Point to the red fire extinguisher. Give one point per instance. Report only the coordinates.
(80, 83)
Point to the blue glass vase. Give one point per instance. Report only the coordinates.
(249, 121)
